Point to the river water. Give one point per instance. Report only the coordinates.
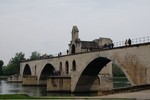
(17, 88)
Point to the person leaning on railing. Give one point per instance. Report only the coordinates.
(129, 42)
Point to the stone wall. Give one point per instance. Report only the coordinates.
(59, 84)
(106, 78)
(29, 80)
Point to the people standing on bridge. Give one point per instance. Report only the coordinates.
(126, 42)
(129, 42)
(112, 45)
(67, 52)
(60, 53)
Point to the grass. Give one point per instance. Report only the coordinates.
(118, 99)
(26, 97)
(14, 96)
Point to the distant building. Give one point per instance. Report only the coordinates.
(78, 46)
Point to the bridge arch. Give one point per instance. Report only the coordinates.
(74, 65)
(27, 70)
(60, 67)
(90, 75)
(119, 64)
(48, 70)
(125, 72)
(67, 67)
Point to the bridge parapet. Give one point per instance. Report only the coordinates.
(133, 41)
(136, 41)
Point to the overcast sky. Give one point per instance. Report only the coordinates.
(45, 25)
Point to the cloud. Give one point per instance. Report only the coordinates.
(45, 25)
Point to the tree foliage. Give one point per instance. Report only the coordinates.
(1, 65)
(50, 56)
(13, 66)
(35, 55)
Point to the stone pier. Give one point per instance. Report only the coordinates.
(15, 78)
(58, 84)
(29, 80)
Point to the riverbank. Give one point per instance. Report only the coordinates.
(140, 95)
(14, 96)
(26, 97)
(4, 77)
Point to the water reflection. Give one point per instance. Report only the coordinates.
(119, 82)
(17, 88)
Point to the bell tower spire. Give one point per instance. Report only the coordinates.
(75, 33)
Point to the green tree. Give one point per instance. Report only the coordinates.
(1, 65)
(35, 55)
(13, 66)
(47, 56)
(4, 70)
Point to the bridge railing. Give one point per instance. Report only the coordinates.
(133, 41)
(116, 44)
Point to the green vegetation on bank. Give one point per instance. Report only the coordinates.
(117, 72)
(24, 97)
(15, 96)
(120, 79)
(1, 65)
(13, 66)
(3, 77)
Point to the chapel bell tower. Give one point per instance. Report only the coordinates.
(75, 33)
(75, 41)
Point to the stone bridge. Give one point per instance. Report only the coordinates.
(89, 71)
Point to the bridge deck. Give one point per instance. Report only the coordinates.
(120, 47)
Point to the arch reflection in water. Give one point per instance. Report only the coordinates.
(17, 88)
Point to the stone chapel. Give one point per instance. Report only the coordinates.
(78, 46)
